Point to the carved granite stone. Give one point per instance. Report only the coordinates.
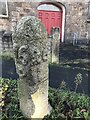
(31, 58)
(55, 32)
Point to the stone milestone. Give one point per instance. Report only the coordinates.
(31, 59)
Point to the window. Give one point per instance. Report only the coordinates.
(88, 17)
(3, 8)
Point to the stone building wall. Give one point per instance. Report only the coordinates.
(76, 20)
(16, 11)
(76, 17)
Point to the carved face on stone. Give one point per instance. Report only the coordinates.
(29, 57)
(22, 60)
(30, 45)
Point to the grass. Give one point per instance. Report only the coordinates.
(7, 55)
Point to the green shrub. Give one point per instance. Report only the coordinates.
(9, 100)
(7, 55)
(79, 103)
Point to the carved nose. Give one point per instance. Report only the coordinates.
(24, 62)
(45, 56)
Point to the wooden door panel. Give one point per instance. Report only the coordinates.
(51, 19)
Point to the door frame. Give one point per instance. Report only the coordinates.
(60, 6)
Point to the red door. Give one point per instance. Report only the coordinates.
(51, 19)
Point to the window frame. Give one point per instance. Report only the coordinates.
(6, 9)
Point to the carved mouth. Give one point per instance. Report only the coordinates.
(20, 71)
(21, 74)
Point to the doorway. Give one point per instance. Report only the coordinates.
(52, 15)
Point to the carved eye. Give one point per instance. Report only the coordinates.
(46, 54)
(23, 49)
(35, 52)
(21, 57)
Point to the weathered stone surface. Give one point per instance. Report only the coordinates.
(55, 45)
(30, 49)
